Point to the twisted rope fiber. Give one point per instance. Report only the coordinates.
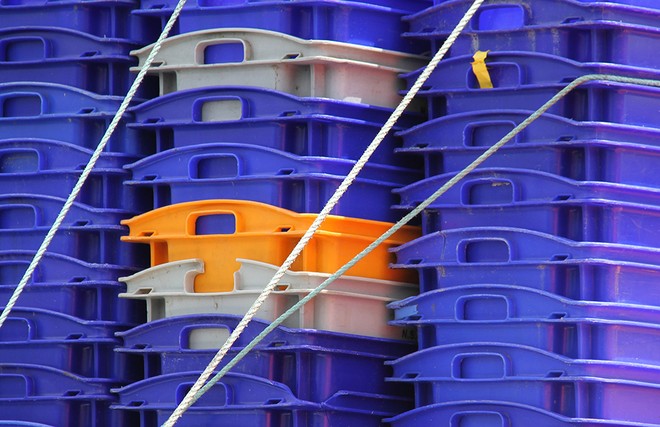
(90, 164)
(193, 394)
(478, 161)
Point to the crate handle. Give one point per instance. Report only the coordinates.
(19, 216)
(481, 307)
(504, 16)
(22, 104)
(479, 365)
(489, 191)
(20, 160)
(222, 51)
(479, 418)
(483, 250)
(204, 336)
(15, 386)
(24, 49)
(220, 109)
(17, 329)
(217, 165)
(220, 390)
(487, 132)
(504, 75)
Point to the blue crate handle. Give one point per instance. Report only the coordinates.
(505, 244)
(32, 380)
(503, 302)
(482, 360)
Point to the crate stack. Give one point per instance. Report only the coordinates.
(263, 108)
(64, 69)
(538, 271)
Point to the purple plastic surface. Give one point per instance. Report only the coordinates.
(48, 110)
(485, 127)
(345, 21)
(584, 41)
(539, 261)
(248, 400)
(594, 101)
(102, 18)
(56, 268)
(313, 364)
(513, 69)
(90, 300)
(503, 15)
(603, 161)
(89, 243)
(582, 220)
(503, 302)
(46, 395)
(68, 57)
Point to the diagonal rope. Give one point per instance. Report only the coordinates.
(478, 161)
(90, 165)
(190, 397)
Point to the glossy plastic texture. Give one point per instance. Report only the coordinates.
(262, 233)
(583, 41)
(240, 399)
(594, 101)
(301, 126)
(539, 261)
(68, 57)
(48, 110)
(488, 413)
(246, 172)
(313, 364)
(112, 19)
(346, 21)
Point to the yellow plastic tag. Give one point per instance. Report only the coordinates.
(480, 70)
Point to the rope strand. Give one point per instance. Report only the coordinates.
(192, 394)
(90, 165)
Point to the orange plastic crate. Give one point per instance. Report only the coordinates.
(263, 233)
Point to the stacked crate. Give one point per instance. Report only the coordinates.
(64, 68)
(263, 108)
(538, 271)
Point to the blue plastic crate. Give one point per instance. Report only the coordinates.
(502, 15)
(239, 171)
(46, 395)
(486, 360)
(603, 161)
(513, 69)
(101, 18)
(68, 57)
(301, 126)
(505, 185)
(56, 268)
(539, 261)
(486, 127)
(174, 333)
(48, 110)
(574, 397)
(89, 300)
(503, 302)
(34, 154)
(495, 414)
(594, 101)
(584, 41)
(89, 243)
(103, 189)
(581, 220)
(313, 371)
(363, 23)
(240, 399)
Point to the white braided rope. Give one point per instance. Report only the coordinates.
(191, 397)
(90, 165)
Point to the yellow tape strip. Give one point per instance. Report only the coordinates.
(480, 70)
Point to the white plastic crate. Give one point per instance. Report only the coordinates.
(306, 68)
(352, 305)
